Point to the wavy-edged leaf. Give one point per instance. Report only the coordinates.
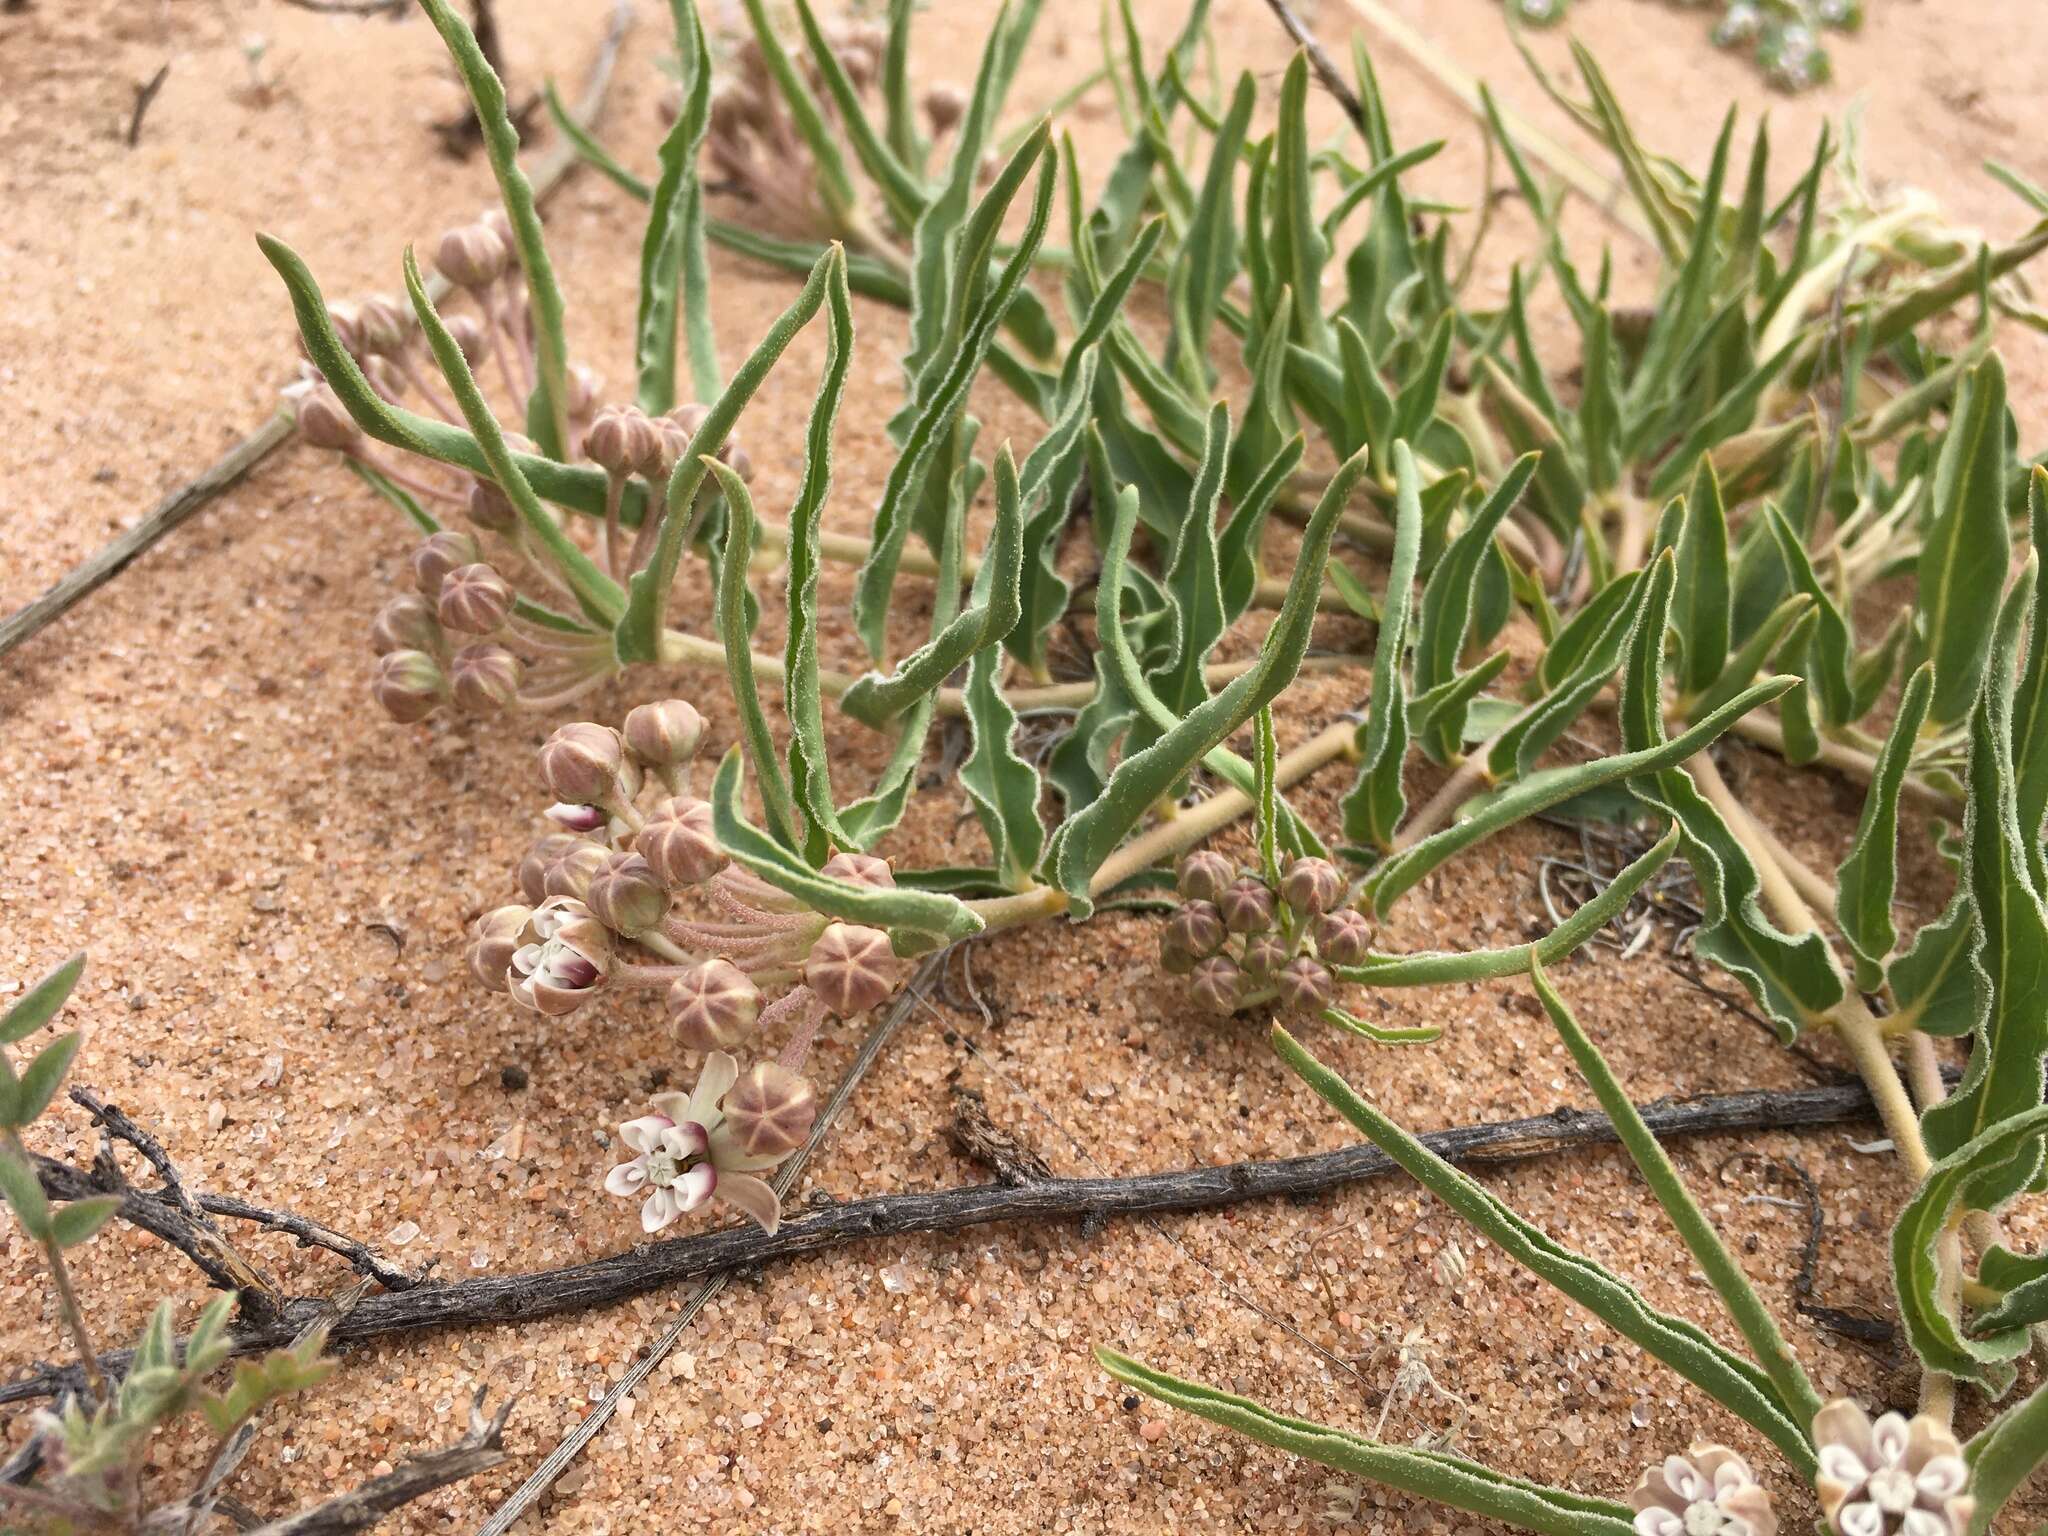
(1376, 801)
(39, 1004)
(900, 188)
(1699, 602)
(1193, 579)
(2023, 1280)
(547, 412)
(1967, 544)
(1090, 836)
(2003, 1455)
(1433, 1475)
(2030, 700)
(1730, 1380)
(1868, 877)
(1749, 657)
(1445, 616)
(943, 389)
(595, 592)
(1933, 984)
(1237, 546)
(638, 635)
(1002, 785)
(1207, 258)
(791, 826)
(915, 920)
(1929, 1315)
(1517, 748)
(1832, 651)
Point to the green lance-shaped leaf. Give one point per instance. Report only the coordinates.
(1869, 875)
(946, 393)
(1730, 1380)
(1699, 602)
(876, 699)
(915, 920)
(2030, 701)
(736, 616)
(31, 1094)
(81, 1220)
(899, 186)
(810, 772)
(1299, 252)
(21, 1189)
(1759, 1330)
(2003, 1455)
(1141, 778)
(1207, 258)
(1683, 306)
(579, 487)
(1967, 544)
(834, 182)
(1193, 579)
(596, 593)
(1125, 193)
(1933, 984)
(638, 635)
(2023, 1278)
(1800, 736)
(1237, 546)
(1436, 968)
(39, 1004)
(2009, 949)
(1749, 657)
(1932, 1325)
(1376, 801)
(672, 250)
(1433, 1475)
(1266, 795)
(1003, 786)
(1832, 651)
(547, 412)
(1440, 715)
(1540, 792)
(1600, 405)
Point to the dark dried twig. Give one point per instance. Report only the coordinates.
(144, 95)
(1331, 77)
(652, 1266)
(120, 552)
(350, 7)
(987, 1145)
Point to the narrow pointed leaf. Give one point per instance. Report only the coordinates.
(1868, 878)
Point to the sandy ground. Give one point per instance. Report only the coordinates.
(201, 793)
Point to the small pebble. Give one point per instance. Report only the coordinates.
(513, 1076)
(1153, 1430)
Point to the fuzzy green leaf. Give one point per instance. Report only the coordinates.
(41, 1078)
(1376, 802)
(1869, 875)
(22, 1190)
(2003, 1455)
(672, 250)
(1967, 545)
(77, 1222)
(39, 1004)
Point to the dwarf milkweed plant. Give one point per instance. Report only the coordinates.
(1675, 519)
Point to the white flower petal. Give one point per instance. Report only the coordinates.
(1890, 1435)
(627, 1178)
(644, 1134)
(696, 1186)
(1942, 1478)
(752, 1197)
(719, 1074)
(1658, 1522)
(1862, 1519)
(659, 1211)
(1843, 1465)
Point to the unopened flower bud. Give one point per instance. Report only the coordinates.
(621, 439)
(1305, 986)
(571, 874)
(485, 677)
(1265, 954)
(472, 255)
(851, 968)
(1247, 907)
(498, 222)
(441, 553)
(739, 461)
(406, 623)
(679, 844)
(385, 326)
(1311, 886)
(944, 105)
(581, 388)
(580, 763)
(474, 599)
(625, 896)
(860, 869)
(493, 938)
(324, 422)
(1344, 937)
(664, 733)
(1217, 983)
(408, 685)
(713, 1005)
(1173, 960)
(472, 338)
(1196, 930)
(577, 818)
(770, 1110)
(1205, 875)
(490, 508)
(538, 860)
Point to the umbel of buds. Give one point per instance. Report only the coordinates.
(1244, 939)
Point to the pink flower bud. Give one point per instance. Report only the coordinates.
(770, 1110)
(498, 222)
(1247, 907)
(493, 939)
(474, 599)
(408, 685)
(621, 439)
(472, 255)
(490, 508)
(580, 763)
(1344, 937)
(439, 554)
(384, 328)
(406, 623)
(860, 869)
(324, 422)
(679, 844)
(1305, 986)
(625, 896)
(944, 105)
(1217, 983)
(577, 818)
(485, 678)
(1173, 959)
(538, 860)
(571, 874)
(1264, 954)
(851, 968)
(1311, 886)
(664, 733)
(1205, 875)
(1196, 930)
(713, 1005)
(581, 389)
